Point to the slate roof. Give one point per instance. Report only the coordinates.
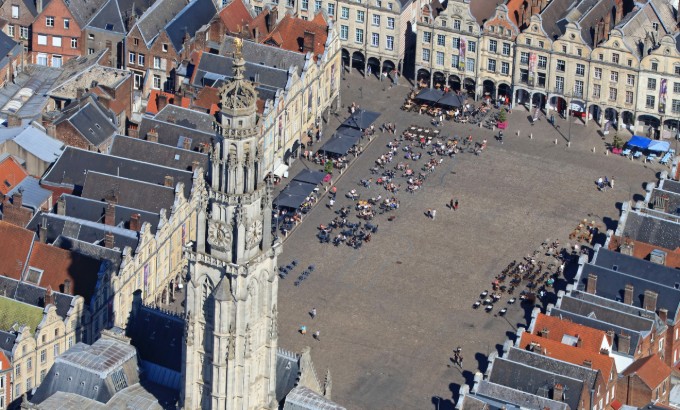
(136, 397)
(130, 193)
(34, 295)
(39, 79)
(93, 210)
(554, 16)
(672, 186)
(33, 196)
(611, 285)
(302, 398)
(539, 361)
(192, 17)
(213, 67)
(156, 153)
(70, 170)
(95, 75)
(673, 201)
(535, 381)
(86, 231)
(157, 337)
(36, 142)
(110, 258)
(500, 394)
(91, 121)
(11, 174)
(606, 314)
(87, 370)
(109, 18)
(174, 134)
(187, 118)
(16, 247)
(483, 10)
(156, 17)
(83, 10)
(637, 267)
(287, 372)
(651, 370)
(637, 25)
(652, 230)
(7, 342)
(7, 47)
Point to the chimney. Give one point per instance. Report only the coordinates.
(619, 12)
(558, 392)
(663, 315)
(256, 34)
(650, 300)
(18, 199)
(135, 224)
(39, 6)
(194, 165)
(49, 296)
(610, 334)
(628, 294)
(624, 343)
(308, 42)
(275, 16)
(80, 92)
(591, 287)
(109, 240)
(169, 181)
(545, 332)
(133, 131)
(110, 214)
(42, 234)
(67, 286)
(152, 135)
(579, 341)
(627, 247)
(13, 120)
(186, 144)
(61, 206)
(162, 101)
(171, 119)
(588, 364)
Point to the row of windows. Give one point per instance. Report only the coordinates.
(140, 59)
(455, 42)
(23, 31)
(49, 22)
(361, 17)
(456, 61)
(56, 41)
(359, 37)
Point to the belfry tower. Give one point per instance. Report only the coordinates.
(231, 296)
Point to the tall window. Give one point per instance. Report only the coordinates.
(331, 9)
(493, 46)
(505, 68)
(542, 62)
(74, 42)
(56, 41)
(305, 4)
(455, 43)
(472, 46)
(389, 44)
(156, 62)
(580, 70)
(561, 66)
(376, 19)
(614, 76)
(506, 49)
(427, 36)
(390, 22)
(317, 5)
(132, 58)
(140, 59)
(49, 21)
(675, 106)
(455, 61)
(42, 39)
(523, 57)
(344, 13)
(649, 101)
(613, 93)
(67, 24)
(559, 83)
(629, 97)
(441, 40)
(440, 58)
(596, 90)
(344, 32)
(615, 58)
(597, 73)
(359, 36)
(157, 82)
(491, 66)
(578, 88)
(23, 31)
(361, 16)
(426, 54)
(456, 24)
(10, 30)
(15, 12)
(630, 79)
(375, 39)
(470, 64)
(651, 83)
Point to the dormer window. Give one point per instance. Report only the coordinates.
(33, 275)
(165, 48)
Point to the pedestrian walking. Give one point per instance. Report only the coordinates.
(331, 202)
(455, 207)
(611, 183)
(460, 361)
(312, 313)
(451, 204)
(429, 213)
(434, 214)
(605, 185)
(303, 330)
(316, 336)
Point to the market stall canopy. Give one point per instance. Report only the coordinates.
(339, 144)
(299, 188)
(310, 177)
(659, 146)
(286, 200)
(431, 95)
(639, 142)
(452, 100)
(349, 131)
(361, 119)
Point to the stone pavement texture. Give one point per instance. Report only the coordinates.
(390, 313)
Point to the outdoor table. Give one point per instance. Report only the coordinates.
(626, 152)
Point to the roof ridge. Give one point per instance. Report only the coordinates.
(80, 198)
(157, 143)
(126, 159)
(537, 369)
(176, 125)
(128, 179)
(95, 225)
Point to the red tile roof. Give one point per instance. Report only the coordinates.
(235, 16)
(289, 34)
(16, 246)
(58, 265)
(11, 174)
(152, 105)
(591, 339)
(208, 99)
(570, 354)
(651, 370)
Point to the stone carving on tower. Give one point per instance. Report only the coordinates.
(231, 294)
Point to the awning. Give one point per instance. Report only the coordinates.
(361, 119)
(639, 142)
(281, 170)
(349, 131)
(430, 95)
(299, 188)
(659, 146)
(285, 200)
(452, 100)
(309, 176)
(339, 144)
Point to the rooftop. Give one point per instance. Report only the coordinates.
(33, 196)
(651, 370)
(156, 153)
(96, 75)
(652, 230)
(569, 333)
(16, 247)
(11, 174)
(302, 398)
(499, 395)
(13, 312)
(33, 295)
(94, 210)
(38, 143)
(130, 193)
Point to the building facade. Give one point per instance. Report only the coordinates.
(55, 36)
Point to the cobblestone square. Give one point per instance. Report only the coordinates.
(390, 313)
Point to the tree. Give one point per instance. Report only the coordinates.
(503, 115)
(328, 167)
(617, 143)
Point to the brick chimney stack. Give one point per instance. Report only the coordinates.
(67, 286)
(558, 392)
(308, 42)
(110, 213)
(169, 181)
(628, 294)
(18, 199)
(591, 287)
(152, 135)
(42, 233)
(109, 240)
(49, 296)
(186, 144)
(663, 315)
(162, 100)
(650, 300)
(13, 120)
(624, 343)
(135, 223)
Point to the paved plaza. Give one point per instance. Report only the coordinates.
(390, 313)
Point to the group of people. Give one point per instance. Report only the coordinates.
(303, 329)
(604, 184)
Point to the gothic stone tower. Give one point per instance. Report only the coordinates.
(231, 295)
